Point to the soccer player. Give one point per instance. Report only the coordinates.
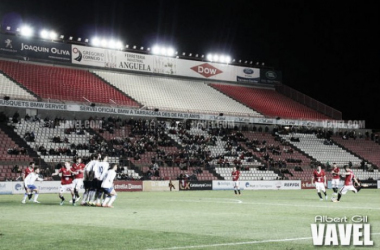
(108, 188)
(78, 169)
(235, 178)
(66, 182)
(335, 179)
(29, 184)
(348, 183)
(25, 174)
(319, 178)
(88, 177)
(100, 170)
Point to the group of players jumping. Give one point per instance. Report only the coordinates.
(96, 177)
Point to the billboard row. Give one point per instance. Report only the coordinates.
(29, 48)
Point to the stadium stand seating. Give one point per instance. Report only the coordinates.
(175, 94)
(7, 144)
(67, 84)
(13, 91)
(364, 147)
(285, 153)
(315, 147)
(44, 137)
(246, 175)
(269, 102)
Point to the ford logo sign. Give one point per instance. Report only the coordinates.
(248, 71)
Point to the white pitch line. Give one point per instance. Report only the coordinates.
(276, 204)
(237, 243)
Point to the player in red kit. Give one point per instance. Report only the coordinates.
(235, 178)
(78, 169)
(335, 179)
(67, 178)
(319, 178)
(348, 183)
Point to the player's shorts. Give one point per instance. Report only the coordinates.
(345, 188)
(335, 182)
(78, 183)
(108, 190)
(66, 188)
(236, 184)
(320, 186)
(96, 184)
(31, 187)
(87, 184)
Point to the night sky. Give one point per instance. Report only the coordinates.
(328, 50)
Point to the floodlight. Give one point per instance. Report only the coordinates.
(61, 36)
(190, 54)
(103, 43)
(79, 39)
(209, 57)
(26, 31)
(44, 34)
(86, 40)
(70, 38)
(8, 28)
(53, 35)
(222, 59)
(170, 52)
(141, 48)
(228, 59)
(95, 41)
(156, 50)
(215, 58)
(134, 46)
(111, 44)
(163, 51)
(119, 45)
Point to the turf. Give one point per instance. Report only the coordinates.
(180, 220)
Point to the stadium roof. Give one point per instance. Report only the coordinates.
(326, 50)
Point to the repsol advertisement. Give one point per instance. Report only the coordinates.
(270, 76)
(195, 185)
(29, 48)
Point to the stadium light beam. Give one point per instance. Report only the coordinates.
(26, 31)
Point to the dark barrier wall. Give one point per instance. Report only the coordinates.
(28, 48)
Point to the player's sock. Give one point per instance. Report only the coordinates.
(76, 193)
(62, 198)
(30, 196)
(106, 200)
(339, 195)
(113, 198)
(35, 197)
(25, 195)
(319, 194)
(239, 191)
(335, 190)
(85, 194)
(235, 191)
(358, 188)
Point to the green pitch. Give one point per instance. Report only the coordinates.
(180, 220)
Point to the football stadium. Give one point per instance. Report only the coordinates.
(106, 145)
